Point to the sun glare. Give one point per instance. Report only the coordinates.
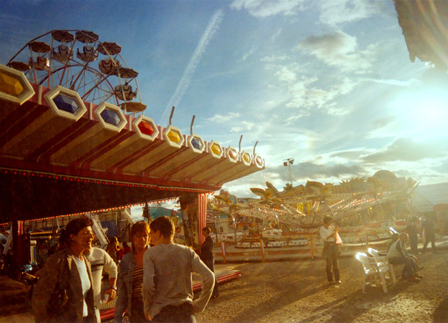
(425, 112)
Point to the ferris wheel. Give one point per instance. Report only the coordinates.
(77, 60)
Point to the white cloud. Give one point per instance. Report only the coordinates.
(335, 111)
(244, 126)
(406, 83)
(340, 50)
(249, 53)
(409, 150)
(286, 75)
(305, 97)
(273, 58)
(340, 11)
(220, 118)
(274, 37)
(267, 8)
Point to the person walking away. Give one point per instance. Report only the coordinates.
(100, 262)
(130, 276)
(331, 251)
(412, 230)
(167, 282)
(64, 292)
(398, 255)
(208, 258)
(429, 234)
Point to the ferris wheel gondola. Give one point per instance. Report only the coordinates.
(50, 61)
(109, 65)
(41, 48)
(88, 53)
(62, 53)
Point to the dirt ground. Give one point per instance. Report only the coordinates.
(297, 291)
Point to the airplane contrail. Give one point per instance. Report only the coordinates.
(182, 87)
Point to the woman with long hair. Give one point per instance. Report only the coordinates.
(130, 276)
(64, 292)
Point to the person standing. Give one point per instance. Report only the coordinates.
(429, 234)
(112, 249)
(167, 281)
(64, 292)
(412, 230)
(208, 258)
(100, 261)
(130, 276)
(330, 252)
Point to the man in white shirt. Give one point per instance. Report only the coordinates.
(101, 261)
(398, 254)
(330, 252)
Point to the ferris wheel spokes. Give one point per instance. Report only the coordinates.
(50, 61)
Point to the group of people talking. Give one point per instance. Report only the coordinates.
(152, 283)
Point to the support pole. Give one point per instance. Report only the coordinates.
(223, 247)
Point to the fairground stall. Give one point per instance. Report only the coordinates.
(74, 140)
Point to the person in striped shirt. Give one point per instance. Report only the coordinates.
(130, 276)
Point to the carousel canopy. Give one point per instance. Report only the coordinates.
(60, 155)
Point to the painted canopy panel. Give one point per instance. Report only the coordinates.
(70, 139)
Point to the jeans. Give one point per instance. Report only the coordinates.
(210, 263)
(176, 314)
(413, 242)
(138, 316)
(331, 253)
(430, 238)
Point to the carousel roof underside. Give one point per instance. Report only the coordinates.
(61, 155)
(425, 29)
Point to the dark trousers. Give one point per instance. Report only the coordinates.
(410, 266)
(138, 316)
(413, 242)
(210, 263)
(176, 314)
(331, 253)
(430, 238)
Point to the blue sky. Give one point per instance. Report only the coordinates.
(328, 83)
